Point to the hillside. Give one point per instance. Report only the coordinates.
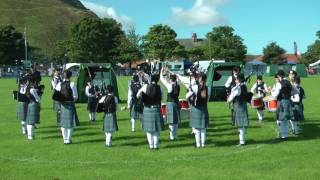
(47, 21)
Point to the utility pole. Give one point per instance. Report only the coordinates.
(25, 43)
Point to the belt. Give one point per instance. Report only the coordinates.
(153, 106)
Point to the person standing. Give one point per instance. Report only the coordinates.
(33, 113)
(56, 104)
(92, 100)
(68, 96)
(110, 118)
(283, 92)
(239, 104)
(152, 122)
(297, 106)
(172, 106)
(260, 89)
(198, 98)
(134, 104)
(23, 102)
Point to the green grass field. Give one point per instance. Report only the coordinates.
(87, 158)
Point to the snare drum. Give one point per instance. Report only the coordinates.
(184, 104)
(256, 102)
(163, 110)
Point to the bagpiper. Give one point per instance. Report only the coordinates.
(68, 116)
(92, 100)
(198, 98)
(283, 92)
(33, 113)
(238, 99)
(134, 104)
(172, 106)
(152, 122)
(110, 125)
(56, 104)
(297, 106)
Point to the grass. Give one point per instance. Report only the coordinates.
(263, 158)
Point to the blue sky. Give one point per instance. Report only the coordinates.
(258, 22)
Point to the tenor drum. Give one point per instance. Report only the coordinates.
(256, 102)
(163, 110)
(184, 104)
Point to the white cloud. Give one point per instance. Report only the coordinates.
(203, 12)
(109, 12)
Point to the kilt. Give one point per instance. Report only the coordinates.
(152, 119)
(33, 113)
(56, 105)
(173, 113)
(68, 115)
(22, 111)
(240, 115)
(92, 104)
(297, 112)
(285, 112)
(134, 112)
(110, 122)
(199, 117)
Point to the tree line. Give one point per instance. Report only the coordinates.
(104, 41)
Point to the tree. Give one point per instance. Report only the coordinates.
(160, 43)
(11, 45)
(224, 44)
(313, 52)
(130, 47)
(273, 54)
(95, 40)
(196, 53)
(179, 52)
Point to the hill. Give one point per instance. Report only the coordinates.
(46, 21)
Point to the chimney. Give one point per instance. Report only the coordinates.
(194, 37)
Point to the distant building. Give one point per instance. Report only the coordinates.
(192, 42)
(287, 58)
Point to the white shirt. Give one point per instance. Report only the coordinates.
(167, 84)
(87, 91)
(193, 87)
(73, 88)
(276, 89)
(54, 82)
(34, 93)
(235, 91)
(23, 88)
(295, 97)
(253, 89)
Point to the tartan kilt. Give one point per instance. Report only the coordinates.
(92, 104)
(152, 120)
(22, 111)
(67, 115)
(297, 112)
(240, 115)
(134, 113)
(56, 105)
(173, 113)
(199, 117)
(110, 122)
(33, 113)
(285, 112)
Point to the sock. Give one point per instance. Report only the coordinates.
(23, 127)
(94, 116)
(155, 139)
(241, 135)
(150, 140)
(171, 131)
(64, 134)
(175, 129)
(133, 124)
(69, 135)
(260, 114)
(284, 129)
(203, 133)
(90, 118)
(108, 139)
(30, 131)
(197, 137)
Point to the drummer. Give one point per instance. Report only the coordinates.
(259, 89)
